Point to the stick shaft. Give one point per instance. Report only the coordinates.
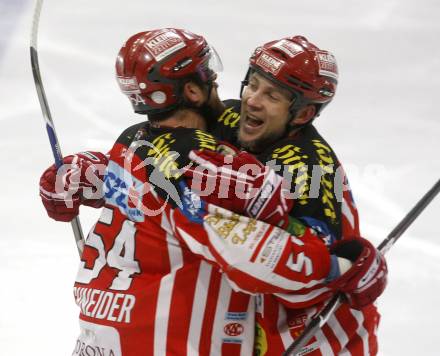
(409, 218)
(50, 128)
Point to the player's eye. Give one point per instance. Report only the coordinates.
(253, 85)
(275, 97)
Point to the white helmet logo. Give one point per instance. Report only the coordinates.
(158, 97)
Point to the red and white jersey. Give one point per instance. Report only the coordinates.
(325, 204)
(162, 275)
(347, 332)
(152, 296)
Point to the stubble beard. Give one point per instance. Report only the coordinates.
(260, 144)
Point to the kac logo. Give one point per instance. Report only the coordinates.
(233, 329)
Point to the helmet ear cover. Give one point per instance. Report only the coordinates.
(181, 100)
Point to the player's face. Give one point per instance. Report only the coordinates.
(264, 113)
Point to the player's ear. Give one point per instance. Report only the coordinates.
(304, 115)
(193, 93)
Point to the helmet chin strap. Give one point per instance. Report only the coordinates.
(245, 81)
(209, 84)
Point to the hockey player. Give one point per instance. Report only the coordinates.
(150, 281)
(288, 84)
(171, 99)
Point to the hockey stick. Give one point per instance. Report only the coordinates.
(318, 321)
(54, 143)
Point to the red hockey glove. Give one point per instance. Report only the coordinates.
(366, 279)
(78, 181)
(241, 184)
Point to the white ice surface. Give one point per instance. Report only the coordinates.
(383, 124)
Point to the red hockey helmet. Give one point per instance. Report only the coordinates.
(308, 72)
(152, 67)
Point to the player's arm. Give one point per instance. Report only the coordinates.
(300, 270)
(240, 183)
(302, 255)
(79, 181)
(255, 256)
